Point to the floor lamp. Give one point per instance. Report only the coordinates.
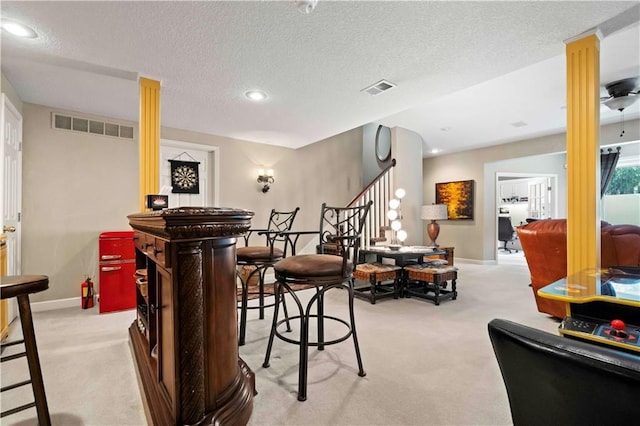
(434, 212)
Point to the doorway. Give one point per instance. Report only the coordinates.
(520, 198)
(208, 172)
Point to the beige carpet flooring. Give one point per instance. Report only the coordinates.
(425, 364)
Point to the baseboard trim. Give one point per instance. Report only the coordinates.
(51, 305)
(476, 261)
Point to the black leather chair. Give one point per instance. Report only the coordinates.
(506, 233)
(553, 380)
(254, 261)
(339, 235)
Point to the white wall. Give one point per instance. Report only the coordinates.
(518, 213)
(407, 150)
(371, 166)
(621, 209)
(8, 89)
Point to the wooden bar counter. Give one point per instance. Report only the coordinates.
(184, 338)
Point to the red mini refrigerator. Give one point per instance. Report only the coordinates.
(117, 270)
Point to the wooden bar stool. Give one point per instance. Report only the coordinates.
(20, 286)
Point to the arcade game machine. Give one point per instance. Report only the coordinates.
(603, 307)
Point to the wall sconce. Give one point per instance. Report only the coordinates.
(265, 179)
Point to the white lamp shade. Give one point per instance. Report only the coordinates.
(396, 225)
(392, 214)
(400, 193)
(434, 212)
(402, 235)
(394, 203)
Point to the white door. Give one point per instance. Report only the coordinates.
(11, 199)
(540, 198)
(185, 152)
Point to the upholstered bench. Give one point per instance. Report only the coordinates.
(420, 280)
(375, 274)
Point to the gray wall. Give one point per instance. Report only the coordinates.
(7, 89)
(476, 239)
(77, 185)
(372, 167)
(407, 150)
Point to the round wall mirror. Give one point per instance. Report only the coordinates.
(383, 143)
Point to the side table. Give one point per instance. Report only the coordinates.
(420, 281)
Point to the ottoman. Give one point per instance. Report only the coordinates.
(422, 280)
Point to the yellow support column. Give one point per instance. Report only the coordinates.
(583, 157)
(149, 138)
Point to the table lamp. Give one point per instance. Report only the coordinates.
(434, 212)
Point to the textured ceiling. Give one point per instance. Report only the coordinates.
(473, 67)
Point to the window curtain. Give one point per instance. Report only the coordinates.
(608, 163)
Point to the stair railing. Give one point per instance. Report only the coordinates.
(380, 191)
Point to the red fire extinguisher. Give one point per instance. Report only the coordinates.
(88, 296)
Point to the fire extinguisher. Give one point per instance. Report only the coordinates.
(88, 296)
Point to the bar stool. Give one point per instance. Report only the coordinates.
(20, 286)
(253, 262)
(340, 229)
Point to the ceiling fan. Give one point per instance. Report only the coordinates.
(622, 93)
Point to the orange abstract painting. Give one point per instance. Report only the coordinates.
(458, 196)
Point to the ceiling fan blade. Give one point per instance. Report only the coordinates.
(605, 98)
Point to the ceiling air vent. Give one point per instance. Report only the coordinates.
(85, 125)
(379, 87)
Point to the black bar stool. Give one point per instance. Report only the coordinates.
(20, 286)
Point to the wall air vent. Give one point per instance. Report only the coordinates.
(85, 125)
(379, 87)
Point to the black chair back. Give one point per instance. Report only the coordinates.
(279, 222)
(340, 232)
(505, 229)
(553, 380)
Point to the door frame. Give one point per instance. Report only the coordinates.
(214, 158)
(554, 198)
(11, 305)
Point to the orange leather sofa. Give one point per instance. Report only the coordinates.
(544, 243)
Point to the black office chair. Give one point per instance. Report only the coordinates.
(254, 261)
(553, 380)
(339, 234)
(506, 233)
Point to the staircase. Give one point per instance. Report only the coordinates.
(380, 191)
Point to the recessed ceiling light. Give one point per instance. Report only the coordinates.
(435, 151)
(18, 29)
(256, 95)
(445, 129)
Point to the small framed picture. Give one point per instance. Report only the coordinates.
(157, 202)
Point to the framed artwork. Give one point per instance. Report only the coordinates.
(458, 196)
